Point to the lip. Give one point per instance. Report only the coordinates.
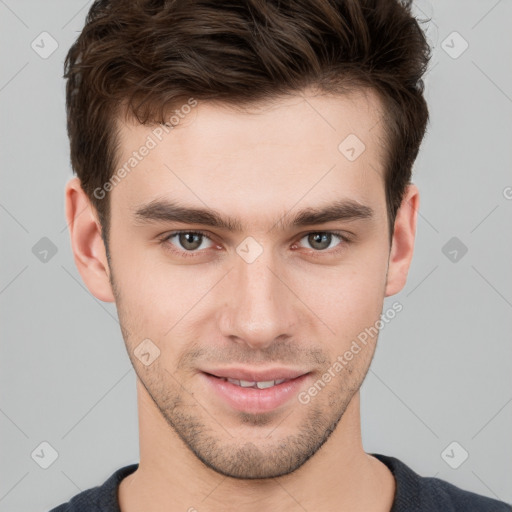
(255, 400)
(256, 375)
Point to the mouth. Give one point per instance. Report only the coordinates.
(264, 384)
(255, 396)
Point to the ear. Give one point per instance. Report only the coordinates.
(86, 242)
(402, 245)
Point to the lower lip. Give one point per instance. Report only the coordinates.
(255, 400)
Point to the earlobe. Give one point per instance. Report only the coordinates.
(86, 242)
(402, 247)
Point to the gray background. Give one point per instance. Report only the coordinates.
(442, 370)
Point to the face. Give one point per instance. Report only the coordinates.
(262, 288)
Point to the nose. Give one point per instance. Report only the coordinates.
(261, 308)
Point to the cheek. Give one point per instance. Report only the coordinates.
(145, 303)
(164, 303)
(348, 298)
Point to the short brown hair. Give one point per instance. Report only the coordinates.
(144, 56)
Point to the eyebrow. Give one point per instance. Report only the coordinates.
(169, 211)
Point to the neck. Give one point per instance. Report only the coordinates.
(340, 476)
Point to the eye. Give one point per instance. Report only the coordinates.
(191, 243)
(187, 241)
(323, 240)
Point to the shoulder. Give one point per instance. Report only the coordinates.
(102, 498)
(415, 493)
(446, 496)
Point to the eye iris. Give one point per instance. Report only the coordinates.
(321, 238)
(185, 240)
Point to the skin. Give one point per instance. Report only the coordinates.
(287, 307)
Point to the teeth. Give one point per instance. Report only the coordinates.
(259, 385)
(265, 384)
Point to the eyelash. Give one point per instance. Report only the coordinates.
(191, 254)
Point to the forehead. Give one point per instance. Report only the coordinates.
(307, 149)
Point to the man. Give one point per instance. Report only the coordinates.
(243, 195)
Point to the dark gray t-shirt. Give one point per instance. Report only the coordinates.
(414, 493)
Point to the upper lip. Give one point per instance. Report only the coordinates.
(253, 375)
